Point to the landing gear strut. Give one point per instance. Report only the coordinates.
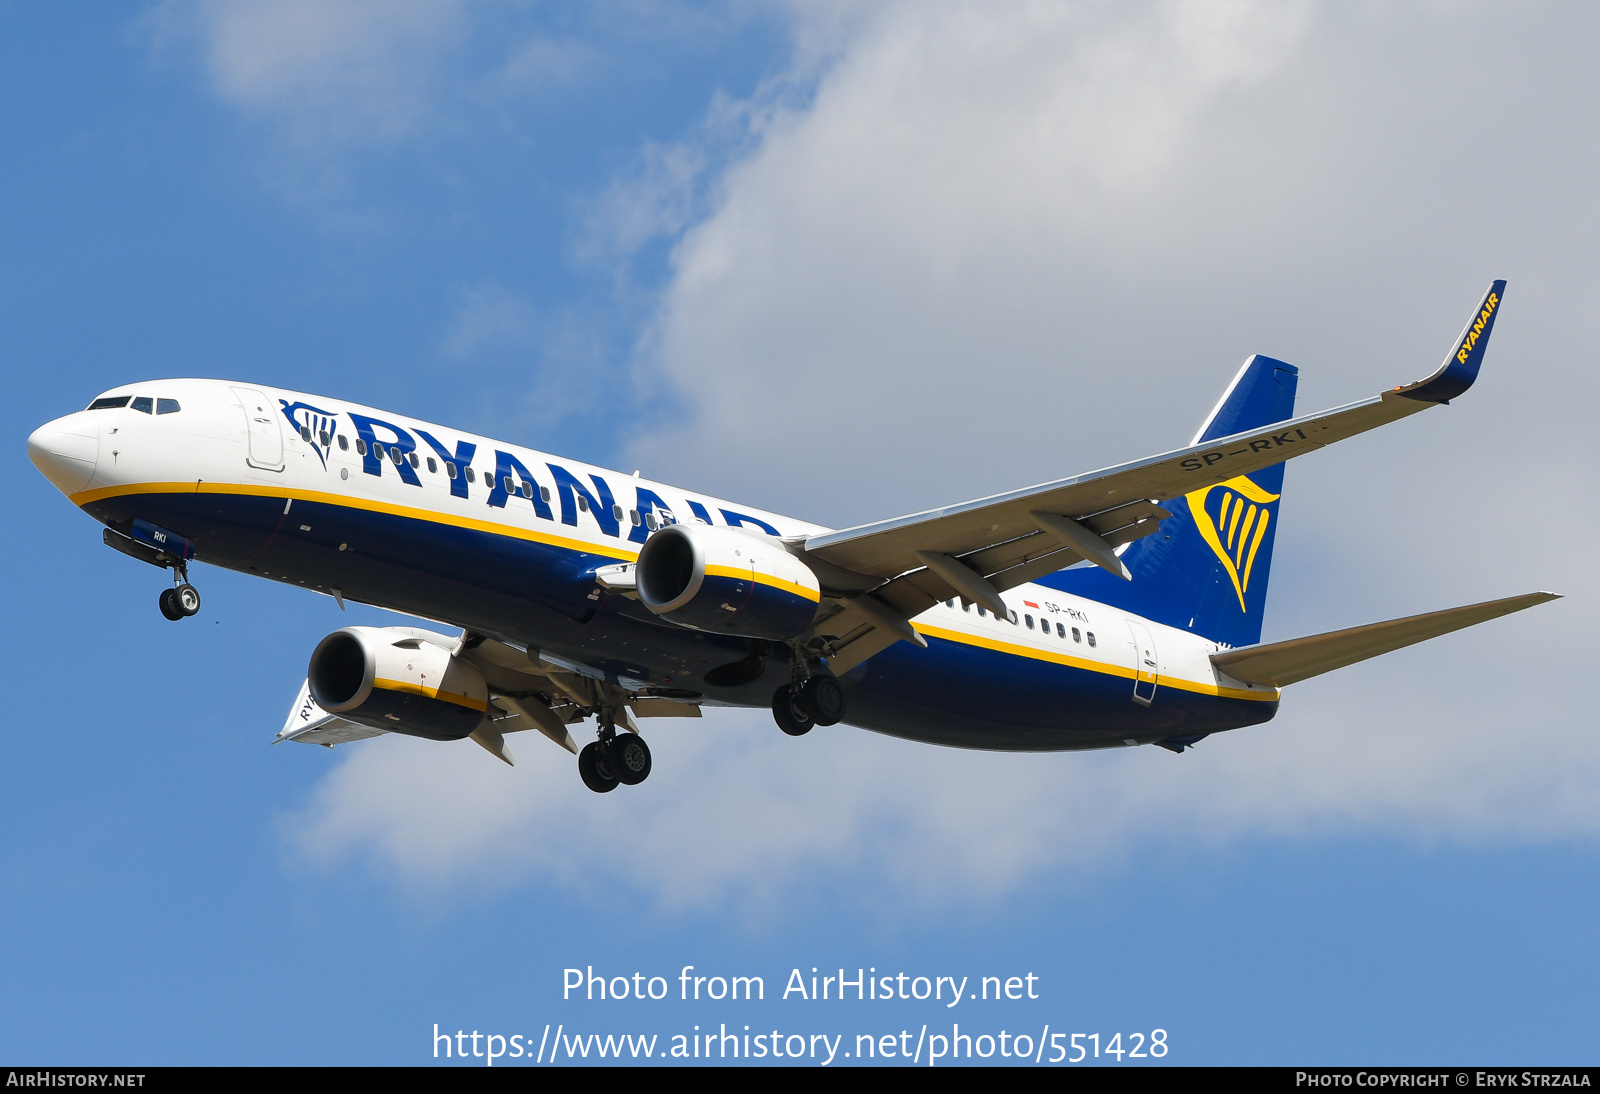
(182, 599)
(613, 758)
(807, 700)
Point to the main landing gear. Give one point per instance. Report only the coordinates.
(182, 599)
(613, 758)
(808, 701)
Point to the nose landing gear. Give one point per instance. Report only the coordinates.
(182, 599)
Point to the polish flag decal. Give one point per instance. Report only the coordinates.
(1030, 604)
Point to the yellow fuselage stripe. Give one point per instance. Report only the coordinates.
(1092, 666)
(628, 554)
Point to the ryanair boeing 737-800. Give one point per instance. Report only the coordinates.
(1120, 607)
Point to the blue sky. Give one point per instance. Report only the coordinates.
(843, 262)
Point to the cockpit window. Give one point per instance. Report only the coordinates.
(143, 404)
(167, 406)
(111, 402)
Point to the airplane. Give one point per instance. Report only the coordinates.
(1117, 608)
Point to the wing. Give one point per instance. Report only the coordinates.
(526, 691)
(886, 573)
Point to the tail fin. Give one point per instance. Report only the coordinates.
(1206, 570)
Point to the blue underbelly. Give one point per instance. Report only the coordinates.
(541, 595)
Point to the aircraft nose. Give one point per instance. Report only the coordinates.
(66, 451)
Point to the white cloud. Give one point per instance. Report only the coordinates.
(1000, 244)
(939, 211)
(340, 68)
(737, 813)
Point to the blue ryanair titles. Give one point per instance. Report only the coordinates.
(378, 442)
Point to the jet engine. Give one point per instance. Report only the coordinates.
(400, 679)
(726, 580)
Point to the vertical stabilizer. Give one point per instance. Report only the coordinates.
(1206, 570)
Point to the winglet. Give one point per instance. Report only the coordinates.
(1460, 369)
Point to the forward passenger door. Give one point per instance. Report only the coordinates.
(262, 429)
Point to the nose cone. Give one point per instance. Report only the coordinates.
(66, 451)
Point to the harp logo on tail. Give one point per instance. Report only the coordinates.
(1233, 518)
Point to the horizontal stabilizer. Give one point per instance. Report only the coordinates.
(1282, 663)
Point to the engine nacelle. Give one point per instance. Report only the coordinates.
(726, 580)
(400, 679)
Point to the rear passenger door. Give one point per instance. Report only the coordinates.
(1146, 670)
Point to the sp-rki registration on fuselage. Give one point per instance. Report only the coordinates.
(1120, 607)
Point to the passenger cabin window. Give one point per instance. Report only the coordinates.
(633, 517)
(167, 406)
(965, 606)
(361, 447)
(414, 460)
(1077, 635)
(433, 468)
(305, 433)
(110, 402)
(983, 614)
(344, 443)
(1091, 638)
(544, 493)
(472, 476)
(144, 404)
(650, 521)
(449, 470)
(1061, 631)
(616, 512)
(1029, 618)
(527, 489)
(583, 504)
(1013, 619)
(324, 438)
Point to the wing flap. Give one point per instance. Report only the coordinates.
(1282, 663)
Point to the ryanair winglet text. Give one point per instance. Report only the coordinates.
(1475, 331)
